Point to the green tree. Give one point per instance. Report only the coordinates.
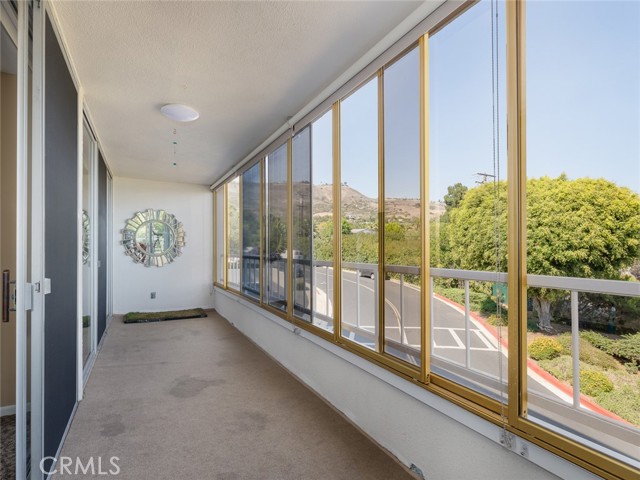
(439, 243)
(250, 229)
(346, 227)
(323, 241)
(277, 235)
(587, 228)
(393, 232)
(438, 227)
(454, 196)
(234, 230)
(360, 248)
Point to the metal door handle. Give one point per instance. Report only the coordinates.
(6, 275)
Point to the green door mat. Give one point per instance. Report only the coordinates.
(145, 317)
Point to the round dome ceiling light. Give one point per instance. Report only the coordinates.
(179, 113)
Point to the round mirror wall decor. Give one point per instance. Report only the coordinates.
(153, 238)
(86, 225)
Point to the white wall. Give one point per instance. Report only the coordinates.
(418, 427)
(185, 283)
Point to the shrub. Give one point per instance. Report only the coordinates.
(627, 348)
(478, 301)
(565, 341)
(596, 339)
(532, 323)
(588, 353)
(560, 367)
(545, 348)
(591, 355)
(594, 383)
(623, 401)
(497, 321)
(486, 303)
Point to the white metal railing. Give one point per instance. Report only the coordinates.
(466, 276)
(586, 285)
(233, 271)
(476, 275)
(361, 268)
(326, 306)
(575, 286)
(402, 270)
(572, 285)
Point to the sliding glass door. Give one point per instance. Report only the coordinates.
(89, 320)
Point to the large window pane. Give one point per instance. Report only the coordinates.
(301, 223)
(322, 181)
(276, 208)
(220, 240)
(583, 221)
(88, 323)
(251, 232)
(402, 245)
(359, 206)
(468, 192)
(233, 232)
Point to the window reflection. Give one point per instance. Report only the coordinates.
(276, 209)
(233, 232)
(220, 240)
(251, 232)
(402, 227)
(322, 181)
(303, 290)
(583, 219)
(359, 208)
(88, 155)
(468, 209)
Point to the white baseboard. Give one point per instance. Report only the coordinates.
(8, 410)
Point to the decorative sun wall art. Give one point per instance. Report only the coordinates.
(153, 238)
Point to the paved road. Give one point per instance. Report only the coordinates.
(480, 363)
(465, 352)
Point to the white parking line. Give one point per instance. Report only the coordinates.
(484, 340)
(455, 336)
(489, 347)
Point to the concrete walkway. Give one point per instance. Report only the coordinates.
(194, 399)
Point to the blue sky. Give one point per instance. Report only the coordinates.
(321, 144)
(583, 103)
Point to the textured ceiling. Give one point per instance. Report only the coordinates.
(245, 66)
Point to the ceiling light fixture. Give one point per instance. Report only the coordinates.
(179, 112)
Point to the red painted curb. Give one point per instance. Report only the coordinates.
(533, 365)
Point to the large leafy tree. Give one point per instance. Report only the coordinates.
(454, 196)
(586, 228)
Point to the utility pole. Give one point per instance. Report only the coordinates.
(485, 177)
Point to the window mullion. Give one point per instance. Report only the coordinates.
(289, 280)
(380, 320)
(425, 270)
(516, 201)
(337, 227)
(262, 232)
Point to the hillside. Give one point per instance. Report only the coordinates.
(357, 207)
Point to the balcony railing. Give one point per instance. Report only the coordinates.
(461, 360)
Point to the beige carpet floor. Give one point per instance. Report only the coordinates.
(194, 399)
